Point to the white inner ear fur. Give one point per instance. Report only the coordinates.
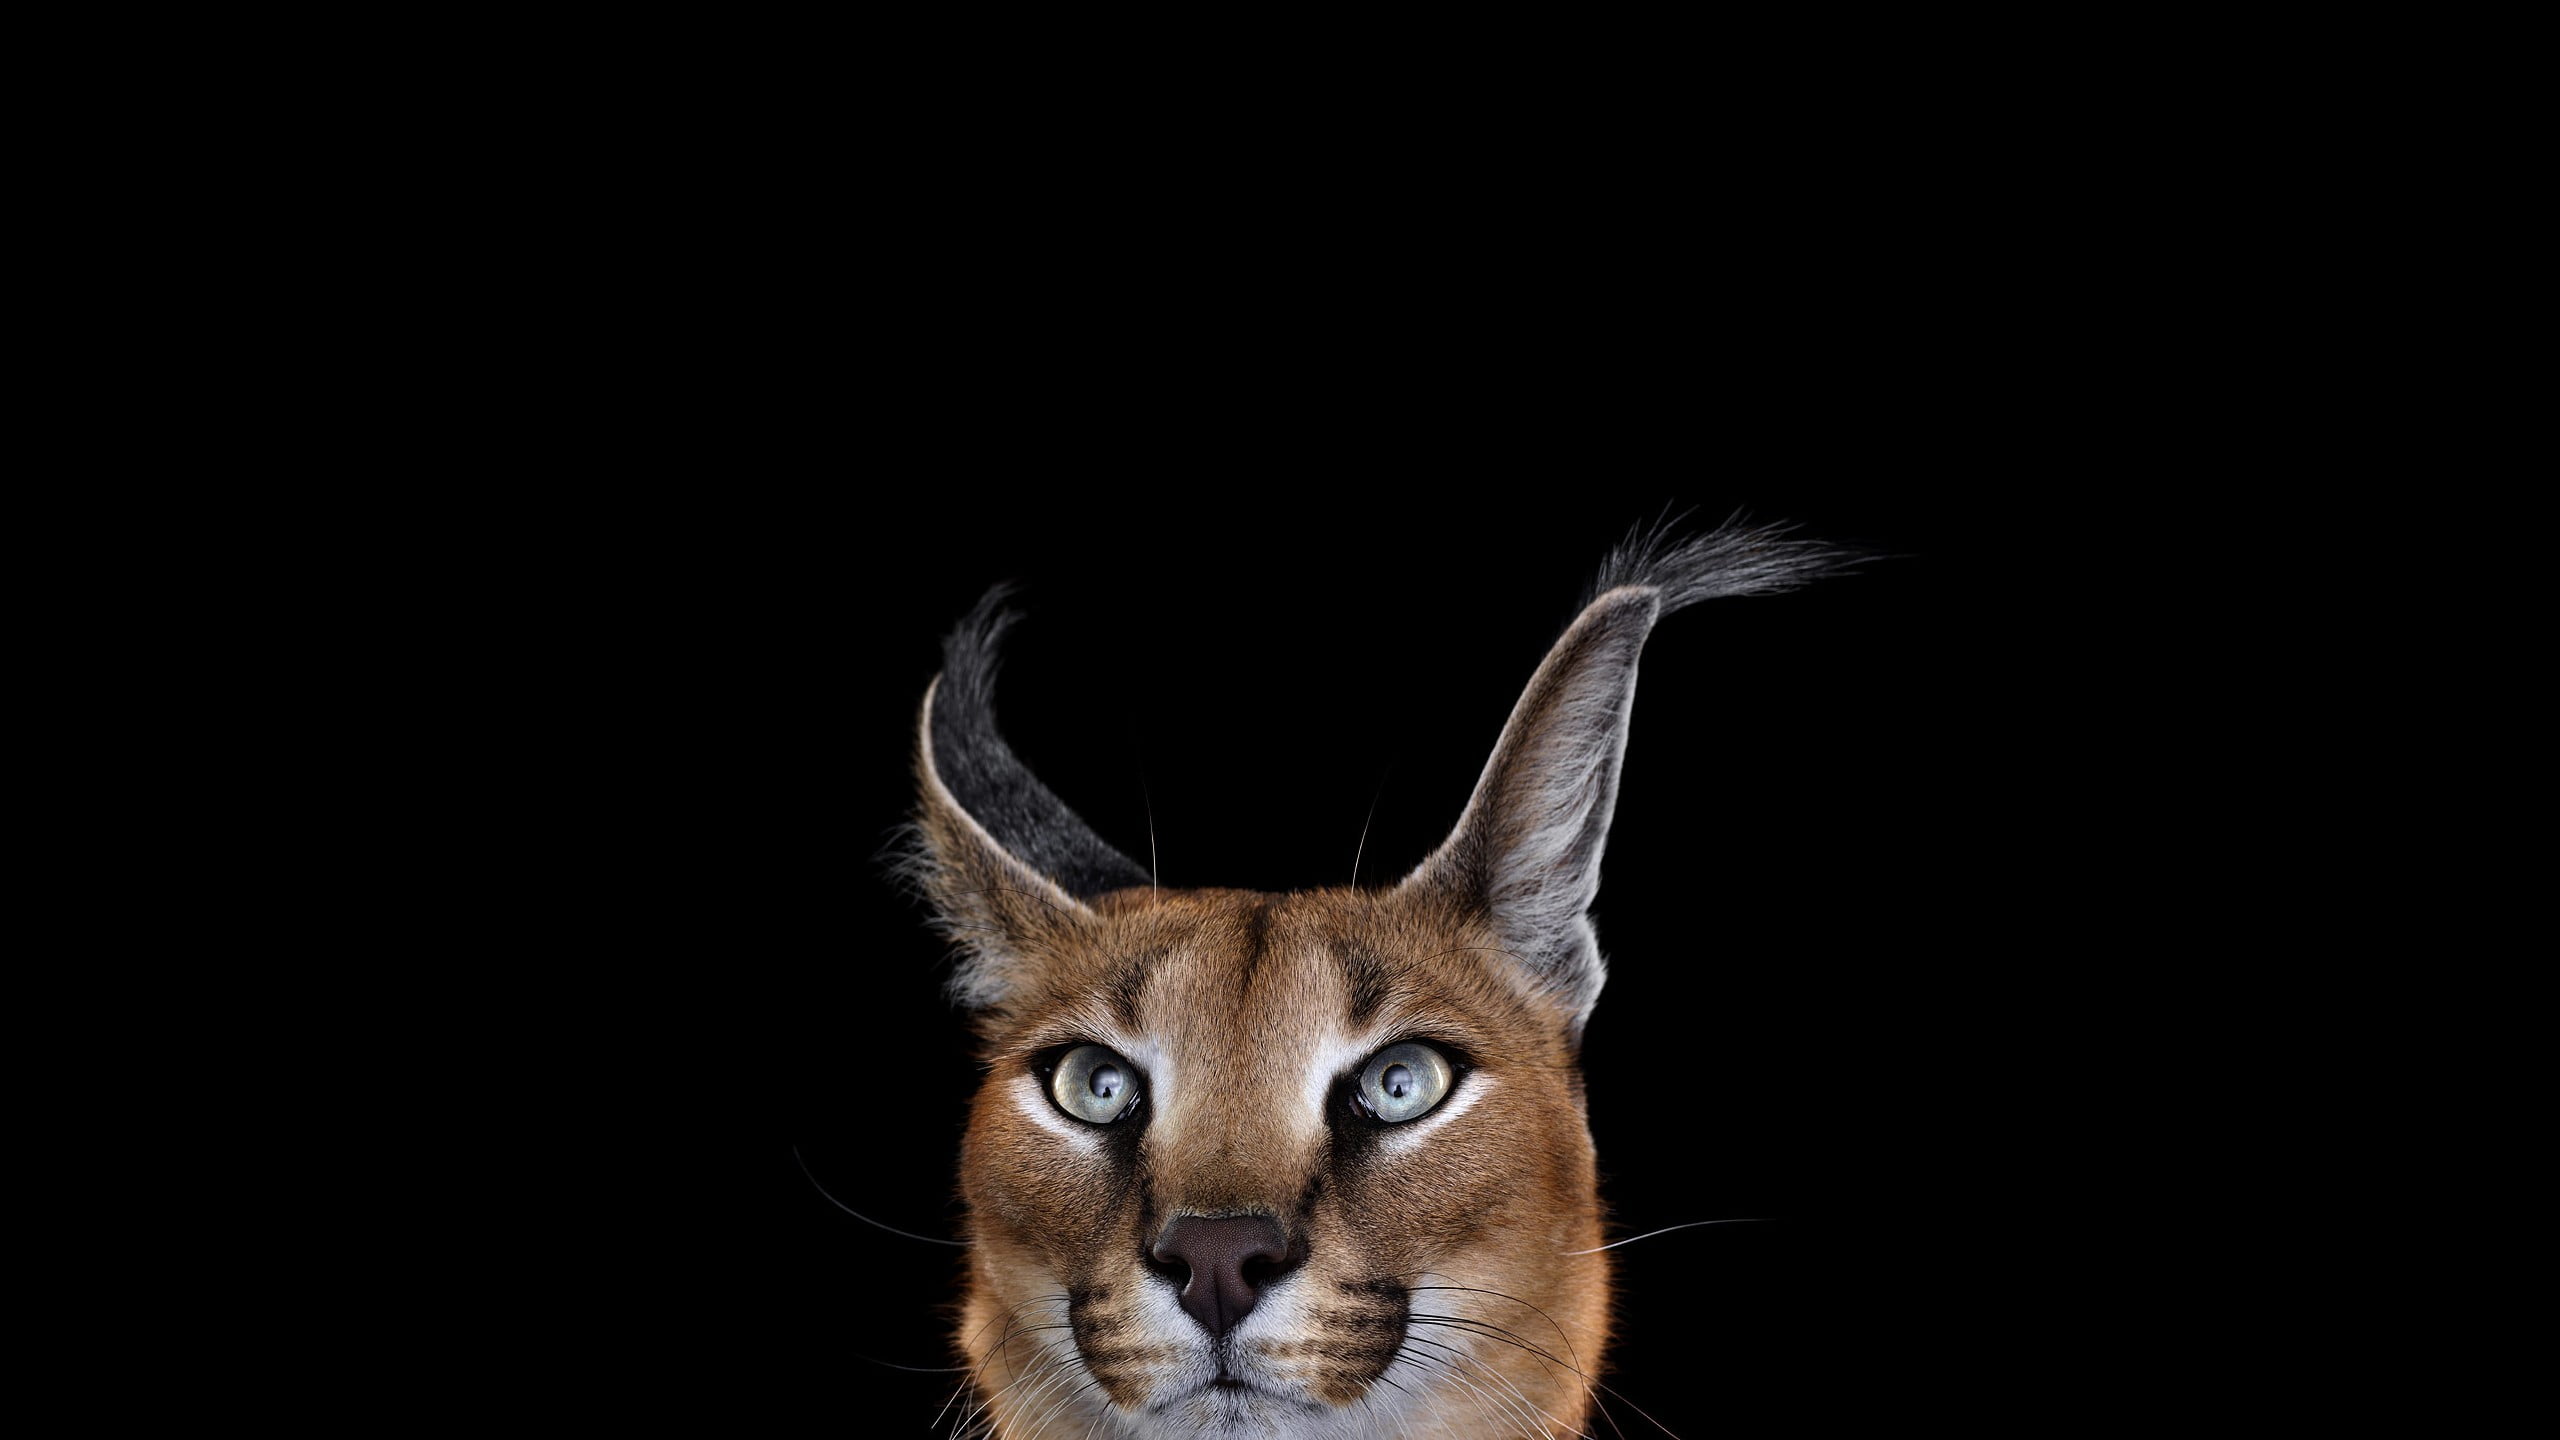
(1049, 889)
(978, 981)
(1560, 792)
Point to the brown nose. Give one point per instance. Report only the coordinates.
(1231, 1259)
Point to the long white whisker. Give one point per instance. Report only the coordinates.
(1430, 1393)
(1517, 1407)
(858, 1215)
(1366, 821)
(1504, 1380)
(915, 1369)
(1570, 1349)
(1591, 1388)
(1665, 1230)
(1009, 1317)
(1597, 1388)
(1039, 1394)
(1148, 796)
(983, 1410)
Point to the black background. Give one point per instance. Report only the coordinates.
(1810, 901)
(1303, 453)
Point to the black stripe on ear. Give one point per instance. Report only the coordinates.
(992, 785)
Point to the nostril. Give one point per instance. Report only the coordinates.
(1272, 1263)
(1254, 1278)
(1225, 1262)
(1172, 1269)
(1261, 1269)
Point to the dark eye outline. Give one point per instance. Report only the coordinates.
(1353, 1084)
(1062, 1062)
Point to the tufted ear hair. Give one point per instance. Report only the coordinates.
(1526, 851)
(1005, 864)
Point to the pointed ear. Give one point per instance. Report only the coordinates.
(1005, 864)
(1526, 852)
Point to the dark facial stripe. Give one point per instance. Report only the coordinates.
(1256, 944)
(1130, 986)
(1368, 977)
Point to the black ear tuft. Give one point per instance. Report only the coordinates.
(986, 780)
(1736, 558)
(1527, 850)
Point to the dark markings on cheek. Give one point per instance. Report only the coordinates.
(1085, 1214)
(1109, 1357)
(1357, 1321)
(1125, 1141)
(1106, 1343)
(1115, 1367)
(1303, 1218)
(1365, 1347)
(1350, 1144)
(1354, 1347)
(1147, 1222)
(1380, 1288)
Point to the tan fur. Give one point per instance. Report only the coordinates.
(1238, 998)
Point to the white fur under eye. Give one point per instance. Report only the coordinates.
(1412, 1134)
(1031, 1096)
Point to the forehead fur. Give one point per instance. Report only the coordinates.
(1236, 963)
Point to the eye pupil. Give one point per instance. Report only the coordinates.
(1402, 1082)
(1091, 1084)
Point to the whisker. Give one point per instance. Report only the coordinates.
(1552, 1322)
(1516, 1404)
(1491, 1331)
(858, 1215)
(1507, 1383)
(1372, 816)
(1665, 1230)
(1495, 1332)
(1056, 1367)
(1008, 1317)
(1028, 1379)
(1429, 1393)
(1038, 1378)
(1450, 1370)
(912, 1369)
(1148, 798)
(1591, 1387)
(981, 1410)
(1575, 1368)
(1059, 1403)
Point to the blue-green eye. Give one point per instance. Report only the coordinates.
(1402, 1082)
(1094, 1085)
